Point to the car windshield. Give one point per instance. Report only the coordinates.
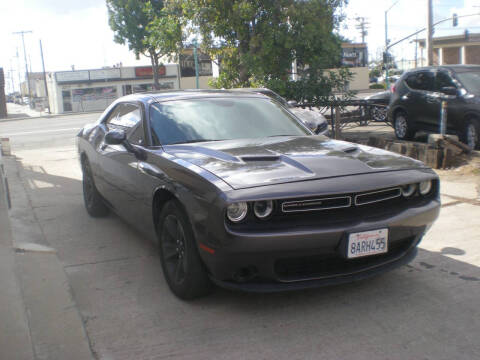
(212, 119)
(470, 80)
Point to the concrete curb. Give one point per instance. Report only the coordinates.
(3, 174)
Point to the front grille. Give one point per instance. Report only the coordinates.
(340, 201)
(376, 196)
(324, 266)
(326, 203)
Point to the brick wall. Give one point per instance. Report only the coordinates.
(3, 104)
(472, 54)
(451, 55)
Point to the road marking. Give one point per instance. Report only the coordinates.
(39, 132)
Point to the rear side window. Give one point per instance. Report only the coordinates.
(443, 80)
(423, 80)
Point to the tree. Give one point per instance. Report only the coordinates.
(147, 28)
(257, 41)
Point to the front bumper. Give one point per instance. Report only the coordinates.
(305, 257)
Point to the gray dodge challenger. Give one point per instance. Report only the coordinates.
(237, 192)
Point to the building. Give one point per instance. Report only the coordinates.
(456, 49)
(37, 85)
(187, 66)
(94, 90)
(355, 56)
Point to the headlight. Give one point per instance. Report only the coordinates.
(263, 209)
(425, 187)
(408, 190)
(236, 212)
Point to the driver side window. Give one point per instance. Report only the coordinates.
(128, 117)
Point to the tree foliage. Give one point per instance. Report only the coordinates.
(147, 27)
(257, 41)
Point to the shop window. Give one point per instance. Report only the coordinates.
(67, 100)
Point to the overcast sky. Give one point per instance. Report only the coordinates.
(76, 32)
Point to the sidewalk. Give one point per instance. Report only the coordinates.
(15, 341)
(38, 316)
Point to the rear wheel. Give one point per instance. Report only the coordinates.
(471, 134)
(182, 267)
(93, 201)
(403, 129)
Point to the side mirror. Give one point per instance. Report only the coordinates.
(292, 103)
(449, 90)
(115, 137)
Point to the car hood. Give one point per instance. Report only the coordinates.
(247, 163)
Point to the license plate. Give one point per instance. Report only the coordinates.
(367, 243)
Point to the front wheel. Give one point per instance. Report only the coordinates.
(471, 134)
(403, 129)
(93, 201)
(182, 267)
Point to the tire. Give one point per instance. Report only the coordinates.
(182, 267)
(402, 126)
(471, 134)
(379, 113)
(92, 198)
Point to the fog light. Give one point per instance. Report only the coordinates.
(408, 190)
(263, 209)
(425, 187)
(236, 212)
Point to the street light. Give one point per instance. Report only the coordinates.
(386, 41)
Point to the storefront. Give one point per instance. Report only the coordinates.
(94, 90)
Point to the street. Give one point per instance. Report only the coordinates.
(103, 281)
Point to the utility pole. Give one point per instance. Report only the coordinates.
(11, 77)
(44, 77)
(195, 58)
(22, 33)
(19, 76)
(386, 57)
(429, 33)
(362, 25)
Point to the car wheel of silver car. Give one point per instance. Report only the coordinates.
(93, 200)
(403, 130)
(182, 267)
(471, 134)
(379, 113)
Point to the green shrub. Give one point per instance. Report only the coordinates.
(378, 86)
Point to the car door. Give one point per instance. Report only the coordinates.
(418, 100)
(119, 166)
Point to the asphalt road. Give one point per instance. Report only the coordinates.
(426, 310)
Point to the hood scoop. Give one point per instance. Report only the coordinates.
(350, 149)
(260, 158)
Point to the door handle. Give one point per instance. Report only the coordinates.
(149, 169)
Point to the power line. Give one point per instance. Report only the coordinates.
(362, 25)
(22, 33)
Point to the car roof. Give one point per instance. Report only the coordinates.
(159, 96)
(452, 68)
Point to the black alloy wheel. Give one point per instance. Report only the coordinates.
(402, 126)
(182, 267)
(93, 201)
